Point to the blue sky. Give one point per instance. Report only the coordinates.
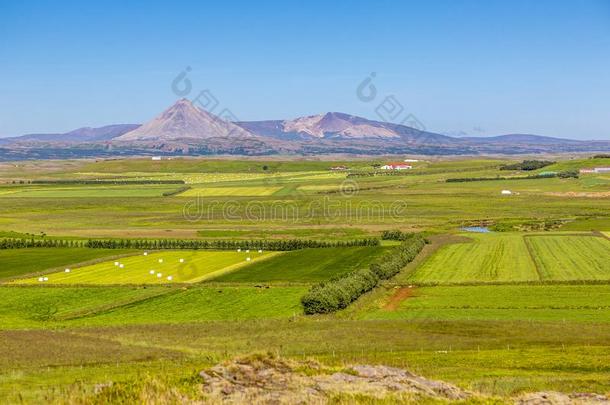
(475, 67)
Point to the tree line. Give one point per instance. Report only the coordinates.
(191, 244)
(338, 293)
(108, 181)
(562, 175)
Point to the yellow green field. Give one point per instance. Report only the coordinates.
(253, 191)
(512, 257)
(155, 268)
(571, 257)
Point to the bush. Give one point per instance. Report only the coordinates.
(396, 234)
(568, 174)
(528, 165)
(339, 293)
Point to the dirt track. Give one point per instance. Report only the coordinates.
(399, 296)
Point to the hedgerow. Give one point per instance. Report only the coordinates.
(191, 244)
(338, 293)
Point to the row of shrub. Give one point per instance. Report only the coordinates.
(527, 165)
(338, 293)
(154, 244)
(397, 234)
(562, 175)
(106, 181)
(177, 191)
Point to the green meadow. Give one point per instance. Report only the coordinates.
(523, 308)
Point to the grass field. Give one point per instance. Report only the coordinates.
(574, 303)
(230, 191)
(155, 268)
(571, 257)
(511, 257)
(17, 262)
(488, 258)
(36, 307)
(26, 307)
(87, 191)
(305, 265)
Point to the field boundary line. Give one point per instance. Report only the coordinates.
(231, 268)
(107, 307)
(525, 283)
(124, 304)
(530, 253)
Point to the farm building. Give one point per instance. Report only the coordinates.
(595, 170)
(396, 166)
(411, 160)
(155, 158)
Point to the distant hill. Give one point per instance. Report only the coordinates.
(85, 134)
(521, 139)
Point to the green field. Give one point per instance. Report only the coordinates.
(487, 258)
(17, 262)
(589, 303)
(510, 257)
(305, 265)
(230, 191)
(87, 191)
(36, 307)
(27, 307)
(523, 310)
(571, 257)
(155, 268)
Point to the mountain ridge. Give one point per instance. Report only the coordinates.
(187, 129)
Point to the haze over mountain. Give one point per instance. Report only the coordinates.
(184, 128)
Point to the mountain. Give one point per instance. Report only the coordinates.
(185, 121)
(521, 139)
(184, 129)
(341, 127)
(85, 134)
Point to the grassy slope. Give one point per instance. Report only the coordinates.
(589, 303)
(197, 265)
(306, 265)
(17, 262)
(494, 357)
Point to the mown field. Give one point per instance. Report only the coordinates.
(24, 261)
(154, 268)
(305, 265)
(521, 309)
(509, 257)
